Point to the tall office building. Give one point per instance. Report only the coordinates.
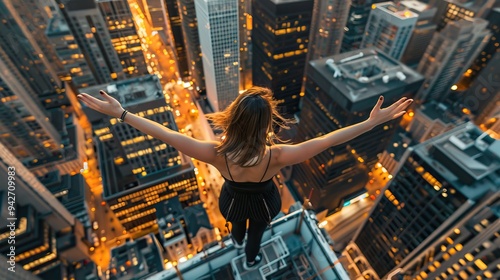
(294, 248)
(327, 28)
(341, 90)
(155, 13)
(356, 22)
(483, 96)
(124, 36)
(69, 53)
(389, 28)
(90, 32)
(245, 35)
(46, 234)
(422, 33)
(218, 31)
(468, 250)
(32, 126)
(174, 23)
(432, 198)
(192, 39)
(455, 10)
(492, 47)
(139, 171)
(449, 54)
(280, 39)
(32, 18)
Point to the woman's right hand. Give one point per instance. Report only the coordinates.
(110, 106)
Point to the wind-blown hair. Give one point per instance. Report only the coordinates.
(247, 125)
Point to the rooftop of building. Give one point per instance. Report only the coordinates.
(363, 75)
(289, 251)
(57, 27)
(136, 259)
(467, 157)
(440, 111)
(120, 180)
(195, 216)
(416, 6)
(130, 92)
(399, 11)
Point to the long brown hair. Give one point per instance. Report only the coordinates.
(247, 125)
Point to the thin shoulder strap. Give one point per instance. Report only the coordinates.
(228, 171)
(267, 165)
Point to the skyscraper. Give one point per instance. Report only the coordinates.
(245, 35)
(32, 18)
(483, 96)
(46, 233)
(422, 33)
(356, 22)
(455, 10)
(219, 43)
(389, 28)
(124, 36)
(492, 47)
(327, 28)
(174, 23)
(34, 130)
(466, 250)
(91, 35)
(280, 39)
(341, 90)
(449, 54)
(137, 170)
(192, 39)
(67, 50)
(436, 190)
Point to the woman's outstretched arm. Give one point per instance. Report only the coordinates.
(201, 150)
(293, 154)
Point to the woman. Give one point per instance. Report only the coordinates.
(246, 156)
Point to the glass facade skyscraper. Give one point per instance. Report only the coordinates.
(435, 190)
(218, 30)
(280, 39)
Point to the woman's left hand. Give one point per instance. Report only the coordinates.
(396, 110)
(110, 106)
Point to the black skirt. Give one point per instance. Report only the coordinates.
(256, 201)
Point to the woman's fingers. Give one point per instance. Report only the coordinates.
(397, 103)
(399, 114)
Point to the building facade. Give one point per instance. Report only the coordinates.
(327, 28)
(356, 23)
(280, 39)
(219, 43)
(91, 36)
(124, 37)
(192, 39)
(434, 192)
(448, 56)
(389, 28)
(422, 33)
(336, 96)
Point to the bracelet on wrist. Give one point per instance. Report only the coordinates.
(122, 117)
